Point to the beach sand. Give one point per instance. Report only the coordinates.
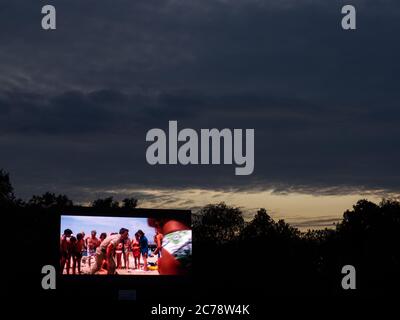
(85, 269)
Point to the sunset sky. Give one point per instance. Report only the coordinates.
(76, 103)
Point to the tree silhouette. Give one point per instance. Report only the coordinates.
(286, 231)
(129, 203)
(50, 200)
(106, 203)
(6, 190)
(218, 223)
(367, 217)
(261, 226)
(318, 236)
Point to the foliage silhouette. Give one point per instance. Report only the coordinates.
(106, 203)
(129, 203)
(50, 200)
(7, 197)
(218, 223)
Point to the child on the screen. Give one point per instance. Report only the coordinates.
(158, 241)
(77, 253)
(136, 250)
(71, 245)
(103, 235)
(118, 253)
(144, 248)
(64, 253)
(176, 256)
(84, 240)
(92, 243)
(125, 253)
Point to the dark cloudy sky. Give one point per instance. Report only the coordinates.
(76, 103)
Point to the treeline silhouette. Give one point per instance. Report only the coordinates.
(233, 254)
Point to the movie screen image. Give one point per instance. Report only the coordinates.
(131, 246)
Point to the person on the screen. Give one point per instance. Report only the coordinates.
(92, 243)
(77, 248)
(71, 244)
(176, 256)
(84, 239)
(118, 254)
(136, 250)
(64, 249)
(126, 252)
(158, 241)
(144, 248)
(103, 235)
(106, 251)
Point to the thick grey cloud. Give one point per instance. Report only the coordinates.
(76, 103)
